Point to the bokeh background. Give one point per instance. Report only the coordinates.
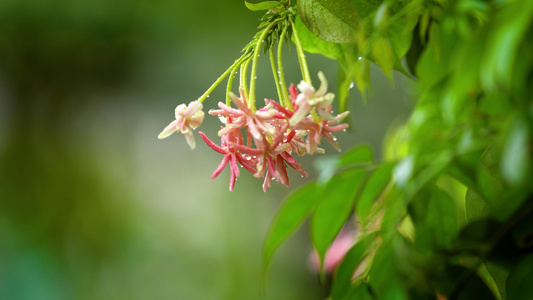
(92, 205)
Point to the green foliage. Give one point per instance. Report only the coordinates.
(451, 217)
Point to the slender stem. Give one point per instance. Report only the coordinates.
(219, 80)
(285, 100)
(242, 79)
(301, 56)
(275, 73)
(230, 85)
(232, 76)
(257, 48)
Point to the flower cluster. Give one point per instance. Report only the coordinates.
(263, 141)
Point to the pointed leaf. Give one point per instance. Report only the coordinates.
(373, 189)
(334, 208)
(359, 155)
(331, 20)
(349, 264)
(266, 5)
(515, 158)
(290, 216)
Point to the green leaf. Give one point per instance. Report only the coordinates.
(474, 205)
(499, 274)
(366, 7)
(266, 5)
(327, 166)
(334, 208)
(359, 291)
(515, 157)
(395, 204)
(385, 279)
(518, 284)
(462, 283)
(361, 154)
(346, 269)
(441, 218)
(510, 25)
(313, 44)
(383, 54)
(334, 21)
(290, 216)
(373, 189)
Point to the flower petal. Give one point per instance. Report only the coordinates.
(323, 85)
(170, 129)
(190, 140)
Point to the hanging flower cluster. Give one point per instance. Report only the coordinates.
(263, 141)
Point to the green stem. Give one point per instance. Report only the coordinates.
(285, 100)
(243, 85)
(231, 77)
(257, 48)
(219, 80)
(275, 73)
(301, 57)
(229, 86)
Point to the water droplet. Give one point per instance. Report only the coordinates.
(334, 139)
(255, 77)
(352, 85)
(241, 166)
(344, 130)
(207, 96)
(360, 58)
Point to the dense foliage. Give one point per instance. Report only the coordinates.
(448, 213)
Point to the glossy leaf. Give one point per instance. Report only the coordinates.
(334, 208)
(515, 160)
(512, 22)
(331, 20)
(347, 268)
(266, 5)
(361, 154)
(385, 279)
(474, 205)
(441, 218)
(375, 186)
(290, 216)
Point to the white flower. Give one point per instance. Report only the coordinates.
(309, 99)
(188, 117)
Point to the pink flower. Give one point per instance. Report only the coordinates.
(231, 155)
(335, 253)
(309, 99)
(188, 117)
(256, 122)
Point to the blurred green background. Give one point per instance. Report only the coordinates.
(92, 205)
